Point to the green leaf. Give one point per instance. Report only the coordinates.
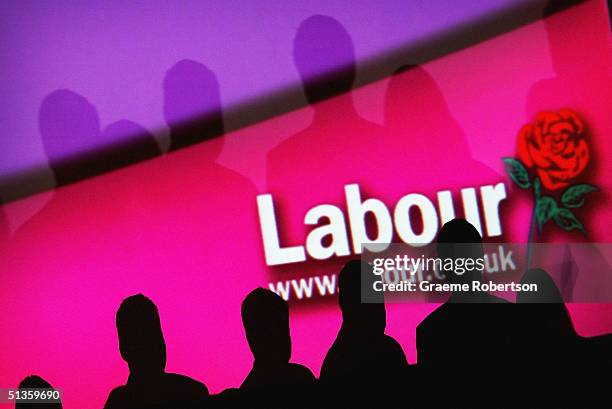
(574, 195)
(537, 187)
(517, 172)
(566, 220)
(546, 207)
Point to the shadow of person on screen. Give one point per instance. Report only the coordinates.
(582, 82)
(338, 147)
(142, 346)
(193, 112)
(144, 144)
(472, 326)
(338, 137)
(75, 146)
(68, 122)
(36, 382)
(265, 316)
(199, 200)
(192, 105)
(428, 140)
(581, 66)
(362, 354)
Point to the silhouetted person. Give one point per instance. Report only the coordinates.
(142, 346)
(550, 340)
(36, 382)
(265, 316)
(361, 352)
(192, 104)
(547, 336)
(472, 326)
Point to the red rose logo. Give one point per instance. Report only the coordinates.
(554, 147)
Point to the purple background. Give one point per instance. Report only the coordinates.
(116, 54)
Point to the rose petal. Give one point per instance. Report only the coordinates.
(549, 182)
(545, 119)
(569, 150)
(559, 127)
(522, 145)
(562, 164)
(538, 137)
(537, 156)
(569, 115)
(571, 167)
(564, 174)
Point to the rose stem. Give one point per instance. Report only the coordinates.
(531, 232)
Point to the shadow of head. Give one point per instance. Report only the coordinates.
(192, 104)
(68, 124)
(324, 55)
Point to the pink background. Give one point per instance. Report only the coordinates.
(183, 228)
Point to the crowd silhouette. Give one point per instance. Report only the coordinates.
(532, 337)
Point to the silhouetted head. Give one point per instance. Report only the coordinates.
(36, 382)
(141, 340)
(265, 316)
(139, 143)
(69, 125)
(322, 45)
(192, 104)
(459, 239)
(368, 317)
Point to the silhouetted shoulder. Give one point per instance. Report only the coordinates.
(461, 310)
(190, 387)
(496, 300)
(395, 350)
(435, 316)
(300, 373)
(117, 398)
